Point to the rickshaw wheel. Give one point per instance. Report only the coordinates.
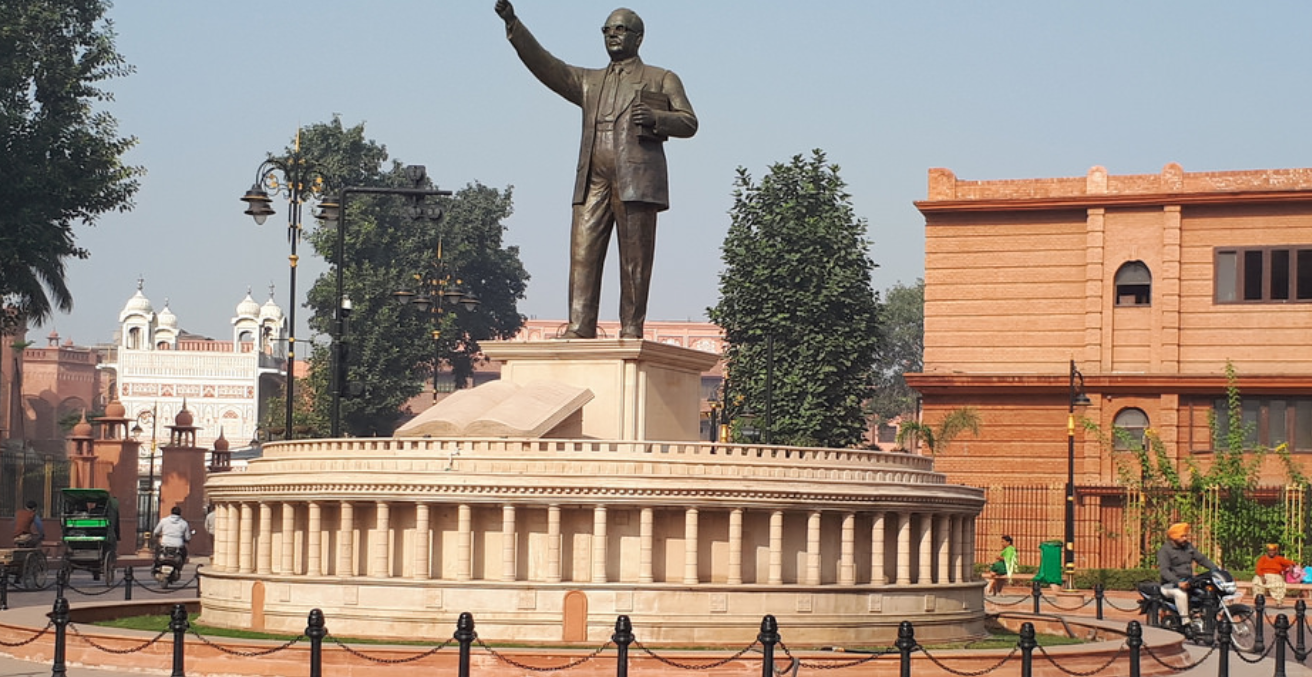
(34, 571)
(107, 568)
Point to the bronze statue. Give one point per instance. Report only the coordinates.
(629, 110)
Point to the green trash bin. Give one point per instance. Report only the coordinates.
(1049, 563)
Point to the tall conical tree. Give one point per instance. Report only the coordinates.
(797, 275)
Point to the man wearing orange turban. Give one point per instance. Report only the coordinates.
(1269, 578)
(1175, 563)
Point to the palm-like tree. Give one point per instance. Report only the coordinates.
(936, 438)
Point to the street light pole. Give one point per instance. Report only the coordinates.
(333, 211)
(1076, 398)
(299, 182)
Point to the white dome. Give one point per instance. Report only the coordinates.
(248, 307)
(137, 305)
(270, 311)
(166, 319)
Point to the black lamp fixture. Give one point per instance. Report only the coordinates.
(297, 180)
(1077, 398)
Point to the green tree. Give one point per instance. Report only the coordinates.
(937, 438)
(392, 346)
(797, 274)
(902, 319)
(62, 157)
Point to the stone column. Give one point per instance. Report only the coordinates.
(314, 539)
(847, 556)
(942, 530)
(926, 568)
(345, 541)
(599, 544)
(644, 547)
(222, 539)
(422, 536)
(956, 548)
(288, 531)
(877, 575)
(776, 574)
(264, 544)
(464, 543)
(813, 548)
(690, 537)
(378, 564)
(969, 558)
(508, 564)
(904, 548)
(245, 549)
(735, 547)
(553, 544)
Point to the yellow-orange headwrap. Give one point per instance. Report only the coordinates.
(1178, 530)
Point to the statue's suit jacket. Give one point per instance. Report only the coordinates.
(641, 173)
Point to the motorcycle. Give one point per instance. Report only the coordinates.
(1213, 596)
(168, 565)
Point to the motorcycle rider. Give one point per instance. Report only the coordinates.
(1175, 563)
(173, 532)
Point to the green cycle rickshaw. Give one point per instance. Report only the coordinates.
(89, 520)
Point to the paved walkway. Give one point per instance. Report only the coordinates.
(35, 605)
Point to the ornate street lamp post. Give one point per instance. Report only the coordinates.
(1077, 399)
(438, 293)
(153, 414)
(333, 212)
(297, 180)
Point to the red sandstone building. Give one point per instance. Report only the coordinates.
(1150, 283)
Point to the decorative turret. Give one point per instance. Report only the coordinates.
(137, 321)
(166, 331)
(221, 458)
(246, 324)
(182, 433)
(114, 424)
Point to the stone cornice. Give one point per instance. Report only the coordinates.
(1190, 384)
(1102, 201)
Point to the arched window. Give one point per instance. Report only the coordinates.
(1134, 285)
(134, 338)
(1129, 426)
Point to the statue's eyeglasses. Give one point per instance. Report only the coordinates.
(615, 30)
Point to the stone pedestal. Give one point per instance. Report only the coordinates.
(643, 390)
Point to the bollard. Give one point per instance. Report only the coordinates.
(1098, 592)
(179, 625)
(465, 636)
(768, 637)
(1259, 636)
(59, 617)
(1027, 644)
(623, 637)
(1134, 640)
(61, 581)
(1036, 590)
(1300, 626)
(315, 629)
(906, 643)
(1281, 639)
(4, 588)
(127, 584)
(1223, 630)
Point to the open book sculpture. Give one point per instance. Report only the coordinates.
(503, 409)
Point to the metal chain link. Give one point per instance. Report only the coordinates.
(1108, 601)
(689, 666)
(1149, 650)
(1075, 673)
(1260, 657)
(1014, 603)
(534, 668)
(966, 673)
(247, 654)
(389, 661)
(31, 639)
(1295, 650)
(160, 590)
(103, 591)
(834, 665)
(1055, 605)
(120, 652)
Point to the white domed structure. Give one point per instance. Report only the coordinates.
(137, 321)
(166, 329)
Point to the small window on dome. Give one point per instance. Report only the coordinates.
(134, 338)
(1134, 285)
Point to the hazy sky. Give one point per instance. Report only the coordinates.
(990, 90)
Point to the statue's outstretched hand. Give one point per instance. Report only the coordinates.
(642, 115)
(505, 10)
